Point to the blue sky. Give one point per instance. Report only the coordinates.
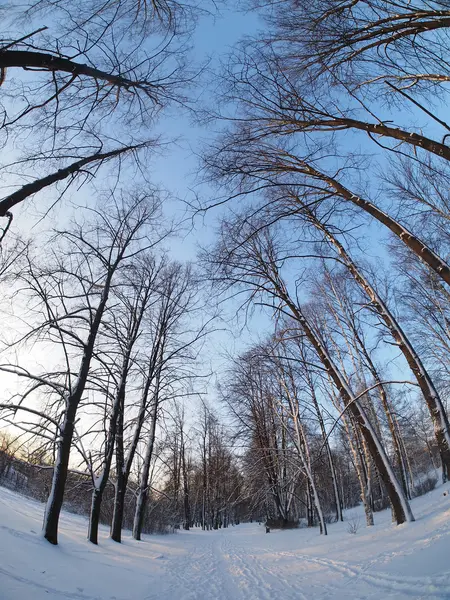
(176, 170)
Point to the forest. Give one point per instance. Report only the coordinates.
(293, 362)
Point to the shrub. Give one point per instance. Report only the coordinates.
(424, 486)
(353, 524)
(281, 524)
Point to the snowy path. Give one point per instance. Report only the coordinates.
(239, 563)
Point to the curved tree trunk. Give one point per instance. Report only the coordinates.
(400, 504)
(435, 406)
(423, 252)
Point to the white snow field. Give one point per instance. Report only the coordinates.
(238, 563)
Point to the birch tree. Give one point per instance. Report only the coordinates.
(253, 264)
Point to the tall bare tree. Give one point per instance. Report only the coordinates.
(135, 297)
(178, 331)
(73, 291)
(253, 263)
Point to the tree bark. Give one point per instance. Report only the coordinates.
(143, 487)
(94, 518)
(337, 497)
(419, 248)
(56, 496)
(303, 451)
(340, 123)
(121, 482)
(99, 488)
(39, 184)
(27, 59)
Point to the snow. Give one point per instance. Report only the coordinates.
(239, 563)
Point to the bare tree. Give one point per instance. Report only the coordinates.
(253, 264)
(253, 395)
(295, 349)
(289, 112)
(73, 294)
(177, 337)
(69, 78)
(125, 329)
(365, 44)
(437, 410)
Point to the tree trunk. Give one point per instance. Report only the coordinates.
(303, 450)
(143, 487)
(436, 408)
(139, 515)
(121, 483)
(100, 484)
(395, 440)
(419, 248)
(56, 497)
(27, 59)
(399, 502)
(186, 502)
(359, 468)
(119, 508)
(71, 170)
(337, 498)
(94, 518)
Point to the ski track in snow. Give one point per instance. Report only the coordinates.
(436, 587)
(238, 563)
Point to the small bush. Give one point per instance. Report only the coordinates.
(281, 524)
(425, 485)
(353, 524)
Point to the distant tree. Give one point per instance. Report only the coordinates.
(172, 351)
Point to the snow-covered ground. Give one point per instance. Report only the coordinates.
(239, 563)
